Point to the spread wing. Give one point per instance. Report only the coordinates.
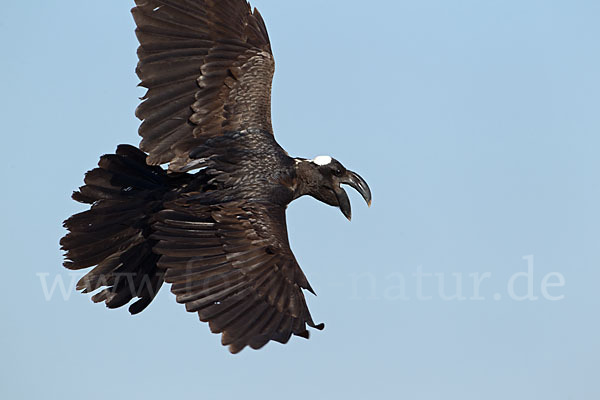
(232, 264)
(208, 68)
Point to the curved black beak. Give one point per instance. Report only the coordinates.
(344, 202)
(358, 183)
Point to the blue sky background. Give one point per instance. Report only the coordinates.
(476, 124)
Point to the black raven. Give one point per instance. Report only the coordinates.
(212, 225)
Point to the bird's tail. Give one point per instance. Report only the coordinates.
(113, 235)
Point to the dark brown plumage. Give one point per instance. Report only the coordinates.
(217, 235)
(208, 67)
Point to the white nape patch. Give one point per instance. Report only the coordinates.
(322, 160)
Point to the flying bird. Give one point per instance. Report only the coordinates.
(212, 224)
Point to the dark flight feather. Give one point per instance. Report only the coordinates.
(114, 234)
(208, 68)
(231, 280)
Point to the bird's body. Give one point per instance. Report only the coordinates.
(259, 167)
(213, 225)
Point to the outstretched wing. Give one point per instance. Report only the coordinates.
(208, 68)
(232, 264)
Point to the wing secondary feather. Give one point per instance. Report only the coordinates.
(232, 264)
(208, 68)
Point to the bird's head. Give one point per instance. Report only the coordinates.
(323, 177)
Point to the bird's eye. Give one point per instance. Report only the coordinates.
(337, 172)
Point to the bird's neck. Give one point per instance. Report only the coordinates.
(304, 182)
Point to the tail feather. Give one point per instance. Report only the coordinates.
(113, 235)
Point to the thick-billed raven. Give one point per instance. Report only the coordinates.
(212, 225)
